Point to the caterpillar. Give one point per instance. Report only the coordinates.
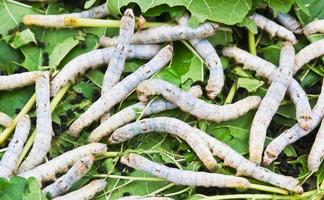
(289, 22)
(317, 152)
(20, 80)
(314, 27)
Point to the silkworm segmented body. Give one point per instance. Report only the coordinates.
(269, 105)
(57, 21)
(9, 160)
(93, 59)
(196, 107)
(184, 177)
(44, 131)
(273, 28)
(13, 81)
(165, 125)
(86, 192)
(166, 33)
(5, 120)
(60, 164)
(75, 173)
(289, 22)
(121, 90)
(264, 69)
(314, 27)
(317, 152)
(118, 58)
(129, 114)
(294, 133)
(308, 53)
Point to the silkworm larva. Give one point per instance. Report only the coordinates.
(57, 21)
(273, 28)
(118, 58)
(196, 107)
(13, 81)
(289, 22)
(5, 120)
(44, 131)
(308, 53)
(93, 59)
(121, 90)
(184, 177)
(166, 125)
(314, 27)
(269, 105)
(129, 114)
(166, 33)
(9, 160)
(75, 173)
(294, 133)
(144, 198)
(86, 192)
(317, 152)
(264, 69)
(47, 171)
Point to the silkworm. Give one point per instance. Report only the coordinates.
(121, 90)
(13, 81)
(289, 22)
(129, 114)
(117, 60)
(273, 28)
(44, 131)
(165, 125)
(86, 192)
(184, 177)
(308, 53)
(93, 59)
(317, 152)
(9, 160)
(294, 133)
(264, 69)
(314, 27)
(47, 171)
(65, 182)
(166, 33)
(269, 105)
(5, 120)
(57, 21)
(196, 107)
(144, 198)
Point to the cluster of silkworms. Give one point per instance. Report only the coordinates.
(145, 44)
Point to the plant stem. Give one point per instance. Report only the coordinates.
(231, 93)
(268, 189)
(28, 106)
(252, 47)
(111, 154)
(161, 189)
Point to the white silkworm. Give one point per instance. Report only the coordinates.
(93, 59)
(44, 131)
(121, 90)
(273, 28)
(196, 107)
(57, 21)
(264, 69)
(317, 152)
(165, 125)
(143, 198)
(13, 81)
(184, 177)
(308, 53)
(280, 80)
(5, 120)
(166, 33)
(65, 182)
(9, 160)
(289, 22)
(86, 192)
(129, 114)
(47, 171)
(294, 133)
(314, 27)
(118, 58)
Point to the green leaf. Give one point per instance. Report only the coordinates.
(13, 189)
(85, 88)
(251, 85)
(8, 58)
(282, 6)
(96, 76)
(89, 3)
(249, 24)
(61, 50)
(34, 191)
(315, 8)
(271, 53)
(23, 38)
(196, 71)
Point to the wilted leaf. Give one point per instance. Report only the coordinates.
(23, 38)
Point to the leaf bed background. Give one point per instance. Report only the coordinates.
(32, 48)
